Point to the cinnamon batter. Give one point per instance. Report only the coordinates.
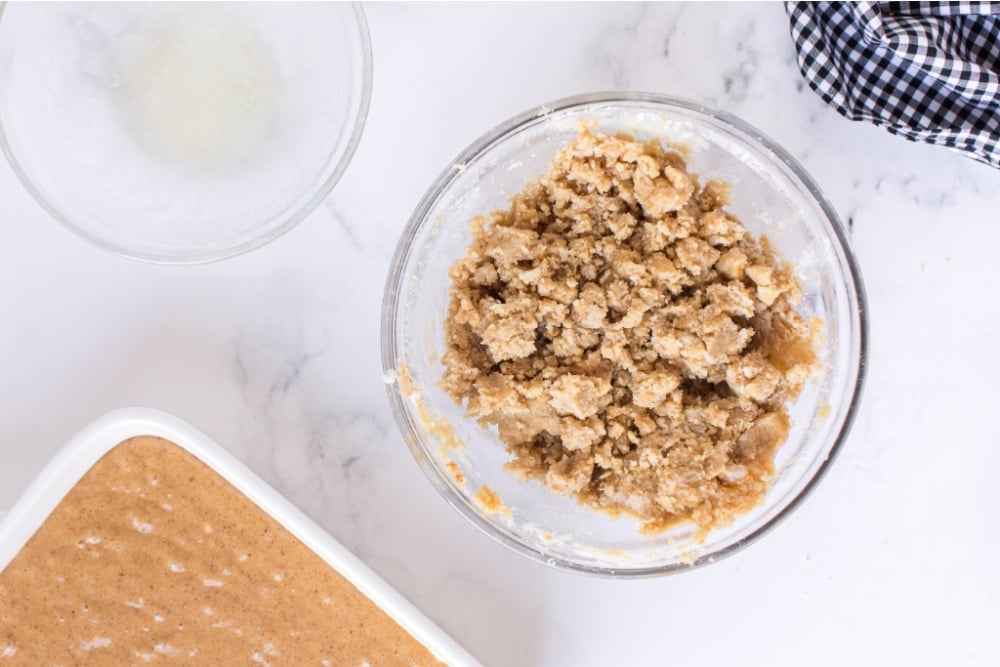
(153, 557)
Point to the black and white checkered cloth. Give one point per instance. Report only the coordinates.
(928, 71)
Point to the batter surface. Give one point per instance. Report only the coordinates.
(153, 557)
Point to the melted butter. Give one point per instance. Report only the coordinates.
(200, 86)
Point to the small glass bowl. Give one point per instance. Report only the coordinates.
(772, 195)
(182, 133)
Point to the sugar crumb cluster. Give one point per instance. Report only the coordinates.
(634, 345)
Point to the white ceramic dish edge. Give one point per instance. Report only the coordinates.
(100, 436)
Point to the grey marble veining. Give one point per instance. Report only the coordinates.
(276, 356)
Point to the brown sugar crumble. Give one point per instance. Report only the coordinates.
(634, 345)
(153, 557)
(456, 473)
(490, 501)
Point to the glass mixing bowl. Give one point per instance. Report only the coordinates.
(772, 195)
(182, 132)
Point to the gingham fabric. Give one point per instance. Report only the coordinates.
(928, 71)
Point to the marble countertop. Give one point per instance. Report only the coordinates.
(275, 355)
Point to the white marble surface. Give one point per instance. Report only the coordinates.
(895, 557)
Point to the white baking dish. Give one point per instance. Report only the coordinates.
(90, 444)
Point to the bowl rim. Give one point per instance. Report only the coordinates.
(411, 432)
(292, 216)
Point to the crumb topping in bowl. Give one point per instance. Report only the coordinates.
(634, 345)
